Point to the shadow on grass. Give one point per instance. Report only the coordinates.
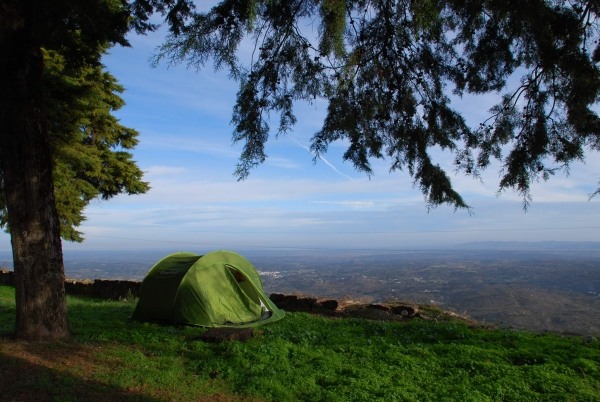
(46, 372)
(66, 371)
(93, 320)
(89, 317)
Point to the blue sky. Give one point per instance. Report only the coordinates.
(196, 204)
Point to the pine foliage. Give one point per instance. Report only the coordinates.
(90, 146)
(388, 69)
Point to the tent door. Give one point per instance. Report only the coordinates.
(249, 290)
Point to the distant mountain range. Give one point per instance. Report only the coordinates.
(531, 246)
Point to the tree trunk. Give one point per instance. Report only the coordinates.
(26, 168)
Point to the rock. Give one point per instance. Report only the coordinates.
(379, 307)
(405, 311)
(294, 303)
(329, 305)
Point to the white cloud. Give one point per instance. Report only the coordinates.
(348, 204)
(283, 163)
(153, 171)
(203, 143)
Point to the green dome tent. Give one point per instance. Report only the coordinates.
(219, 289)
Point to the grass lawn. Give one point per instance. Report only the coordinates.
(300, 358)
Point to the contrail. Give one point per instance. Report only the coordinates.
(307, 149)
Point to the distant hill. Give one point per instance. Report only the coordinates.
(531, 246)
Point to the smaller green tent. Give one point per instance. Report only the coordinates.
(218, 289)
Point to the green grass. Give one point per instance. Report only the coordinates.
(313, 358)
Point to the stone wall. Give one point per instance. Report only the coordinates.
(7, 277)
(99, 288)
(116, 289)
(344, 308)
(103, 288)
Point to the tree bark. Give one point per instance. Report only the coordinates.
(26, 172)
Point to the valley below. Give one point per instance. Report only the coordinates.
(534, 291)
(547, 290)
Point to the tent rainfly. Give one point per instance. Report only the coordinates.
(218, 289)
